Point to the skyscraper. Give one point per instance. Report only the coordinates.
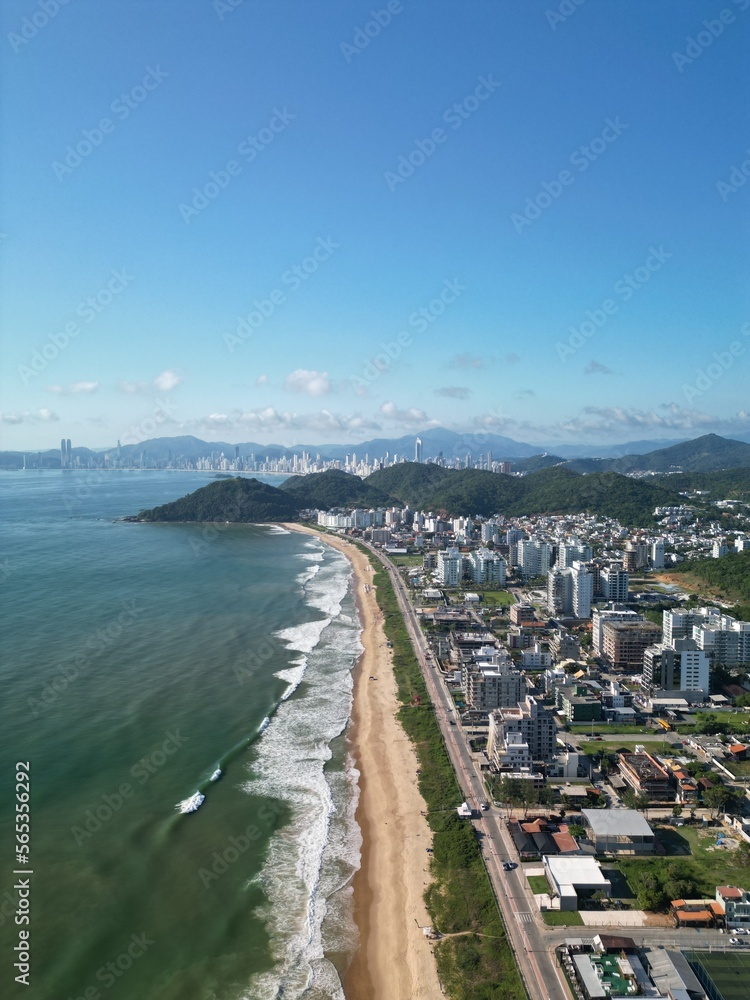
(418, 450)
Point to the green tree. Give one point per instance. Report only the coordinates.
(716, 798)
(576, 830)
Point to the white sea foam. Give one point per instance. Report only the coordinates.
(192, 804)
(276, 529)
(311, 861)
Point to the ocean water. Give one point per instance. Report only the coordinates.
(145, 666)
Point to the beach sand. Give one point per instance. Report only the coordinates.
(395, 960)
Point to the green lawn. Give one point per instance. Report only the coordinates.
(562, 918)
(739, 768)
(620, 886)
(594, 747)
(410, 560)
(496, 597)
(706, 864)
(608, 727)
(537, 883)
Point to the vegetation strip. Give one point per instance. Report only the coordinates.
(479, 965)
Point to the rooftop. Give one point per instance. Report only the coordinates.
(623, 822)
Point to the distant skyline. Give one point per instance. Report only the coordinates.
(294, 222)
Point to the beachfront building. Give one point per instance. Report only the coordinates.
(572, 878)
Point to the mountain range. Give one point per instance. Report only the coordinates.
(703, 454)
(453, 492)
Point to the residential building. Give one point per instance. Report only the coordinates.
(450, 567)
(736, 903)
(582, 590)
(725, 639)
(646, 776)
(572, 551)
(624, 643)
(488, 686)
(533, 557)
(657, 554)
(487, 567)
(683, 668)
(614, 583)
(535, 724)
(574, 877)
(614, 613)
(521, 614)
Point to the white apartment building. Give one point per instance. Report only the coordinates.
(574, 550)
(684, 667)
(657, 554)
(533, 557)
(725, 639)
(614, 582)
(583, 589)
(450, 567)
(487, 567)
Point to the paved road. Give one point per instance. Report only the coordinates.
(533, 950)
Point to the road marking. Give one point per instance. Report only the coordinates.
(524, 917)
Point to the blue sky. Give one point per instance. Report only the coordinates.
(551, 184)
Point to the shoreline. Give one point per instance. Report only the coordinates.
(394, 959)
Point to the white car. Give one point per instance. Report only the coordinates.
(734, 940)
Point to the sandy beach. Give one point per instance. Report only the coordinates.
(395, 960)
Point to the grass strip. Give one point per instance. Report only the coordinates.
(479, 965)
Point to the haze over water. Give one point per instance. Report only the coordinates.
(177, 653)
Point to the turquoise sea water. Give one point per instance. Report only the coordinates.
(137, 660)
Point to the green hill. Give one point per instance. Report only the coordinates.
(237, 500)
(409, 481)
(730, 574)
(552, 490)
(334, 488)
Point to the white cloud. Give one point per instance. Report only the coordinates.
(311, 383)
(412, 416)
(74, 388)
(269, 419)
(42, 415)
(164, 382)
(262, 380)
(167, 380)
